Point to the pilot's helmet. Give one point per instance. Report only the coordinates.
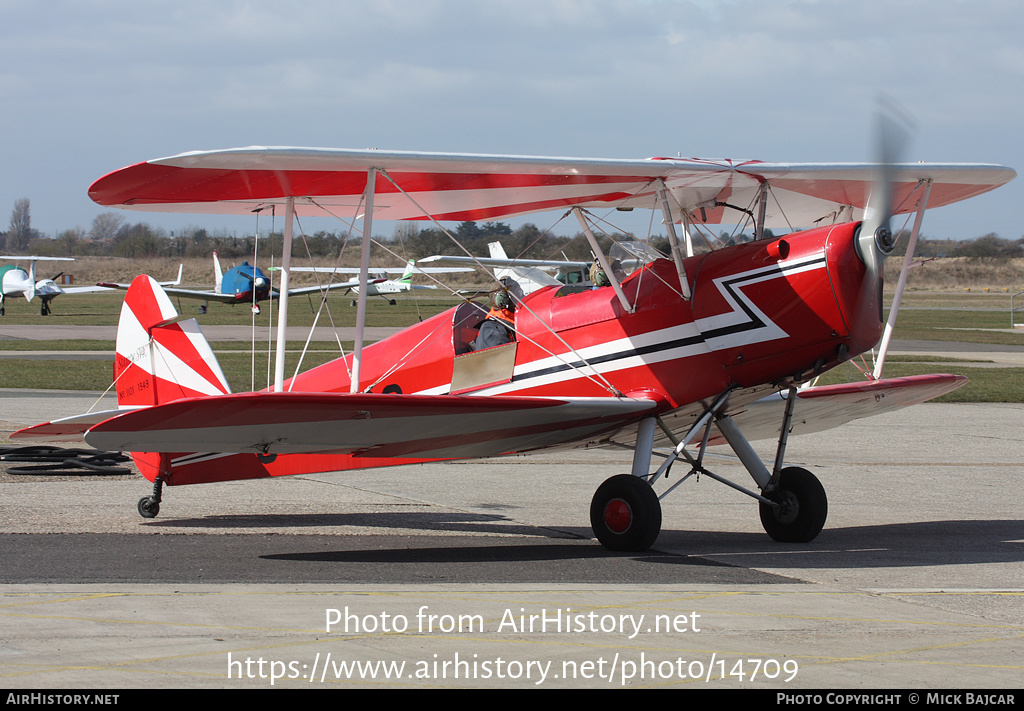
(502, 300)
(513, 287)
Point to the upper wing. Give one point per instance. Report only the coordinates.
(507, 262)
(372, 425)
(234, 298)
(385, 270)
(30, 258)
(85, 289)
(481, 187)
(124, 287)
(327, 287)
(196, 294)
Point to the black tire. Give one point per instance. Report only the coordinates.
(803, 507)
(625, 514)
(148, 507)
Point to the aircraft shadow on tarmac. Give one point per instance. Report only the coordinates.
(959, 542)
(470, 553)
(892, 545)
(418, 521)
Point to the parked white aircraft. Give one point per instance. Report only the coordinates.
(383, 284)
(15, 281)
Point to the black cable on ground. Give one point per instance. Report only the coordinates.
(61, 461)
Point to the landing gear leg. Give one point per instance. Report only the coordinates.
(149, 506)
(798, 507)
(792, 501)
(793, 504)
(625, 512)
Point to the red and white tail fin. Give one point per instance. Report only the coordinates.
(159, 357)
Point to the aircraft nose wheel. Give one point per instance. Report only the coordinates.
(801, 507)
(625, 514)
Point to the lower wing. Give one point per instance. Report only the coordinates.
(826, 406)
(364, 425)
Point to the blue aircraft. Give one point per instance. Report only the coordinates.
(244, 284)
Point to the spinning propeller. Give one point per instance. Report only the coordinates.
(875, 240)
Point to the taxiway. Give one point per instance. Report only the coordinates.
(916, 581)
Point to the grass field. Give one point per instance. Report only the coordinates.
(96, 374)
(962, 317)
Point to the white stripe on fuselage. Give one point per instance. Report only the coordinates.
(738, 318)
(737, 323)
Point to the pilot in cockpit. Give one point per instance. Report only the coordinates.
(499, 326)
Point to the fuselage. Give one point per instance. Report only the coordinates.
(761, 314)
(241, 281)
(15, 281)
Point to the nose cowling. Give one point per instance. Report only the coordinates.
(857, 284)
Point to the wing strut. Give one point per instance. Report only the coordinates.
(890, 325)
(762, 208)
(673, 240)
(282, 308)
(603, 260)
(364, 268)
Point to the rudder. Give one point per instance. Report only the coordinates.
(160, 358)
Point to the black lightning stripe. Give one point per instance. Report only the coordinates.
(732, 285)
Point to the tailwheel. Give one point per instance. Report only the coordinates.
(149, 507)
(626, 514)
(801, 507)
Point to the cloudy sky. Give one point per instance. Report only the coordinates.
(88, 87)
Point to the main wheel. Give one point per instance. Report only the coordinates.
(625, 514)
(802, 507)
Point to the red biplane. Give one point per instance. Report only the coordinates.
(675, 354)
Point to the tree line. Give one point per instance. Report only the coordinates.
(110, 234)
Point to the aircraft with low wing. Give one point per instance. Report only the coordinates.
(529, 274)
(15, 281)
(381, 284)
(676, 354)
(242, 284)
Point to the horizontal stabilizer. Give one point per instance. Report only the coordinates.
(67, 429)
